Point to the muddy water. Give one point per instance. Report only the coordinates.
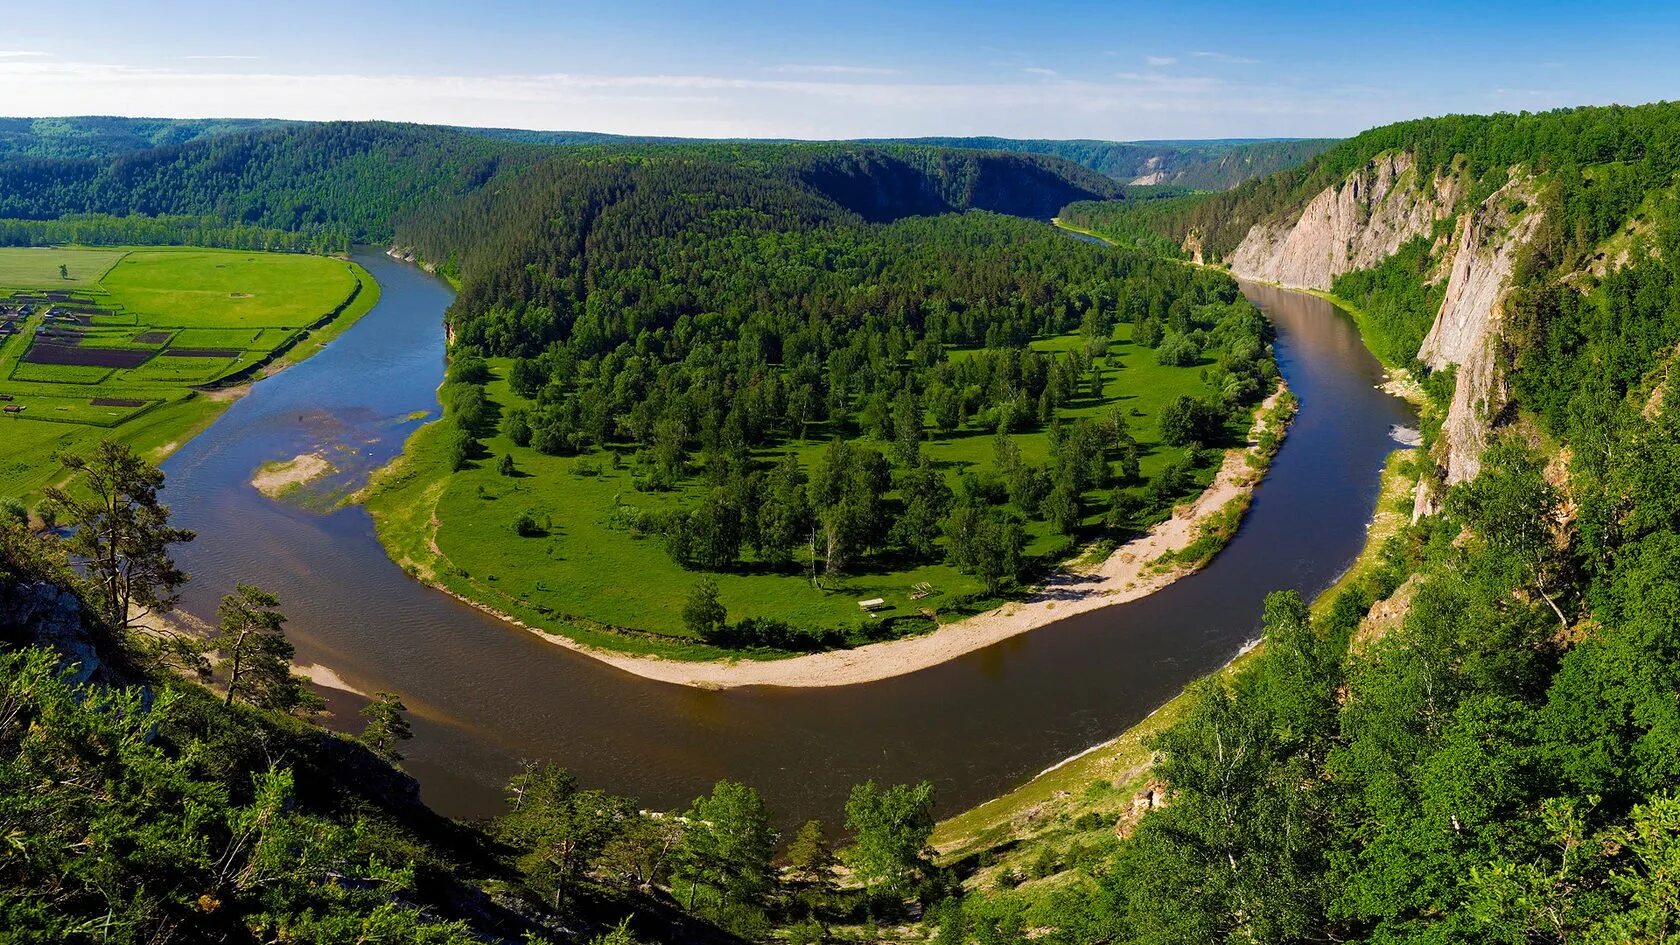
(487, 696)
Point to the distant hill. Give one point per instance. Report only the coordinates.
(1202, 165)
(104, 137)
(1216, 164)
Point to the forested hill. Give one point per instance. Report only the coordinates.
(1476, 738)
(355, 180)
(106, 137)
(351, 177)
(1202, 165)
(1634, 150)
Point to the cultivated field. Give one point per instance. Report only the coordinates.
(120, 343)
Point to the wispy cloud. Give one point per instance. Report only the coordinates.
(223, 57)
(830, 69)
(22, 54)
(1160, 60)
(1225, 57)
(1040, 70)
(1126, 105)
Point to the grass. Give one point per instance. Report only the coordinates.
(37, 267)
(1076, 804)
(252, 303)
(221, 289)
(595, 578)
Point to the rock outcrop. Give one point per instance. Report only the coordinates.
(40, 613)
(1466, 329)
(1353, 225)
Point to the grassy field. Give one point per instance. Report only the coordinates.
(592, 578)
(37, 267)
(242, 309)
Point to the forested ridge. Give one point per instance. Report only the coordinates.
(1632, 151)
(1491, 754)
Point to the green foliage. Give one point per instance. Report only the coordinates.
(786, 395)
(890, 829)
(704, 615)
(560, 828)
(122, 531)
(386, 725)
(1189, 421)
(726, 846)
(1394, 301)
(121, 830)
(255, 657)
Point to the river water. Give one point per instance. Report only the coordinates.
(486, 696)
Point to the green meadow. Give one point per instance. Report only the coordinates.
(158, 329)
(595, 577)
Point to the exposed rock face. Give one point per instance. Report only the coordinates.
(1466, 329)
(1354, 225)
(43, 614)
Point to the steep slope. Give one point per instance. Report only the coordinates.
(1354, 225)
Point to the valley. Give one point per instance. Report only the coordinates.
(794, 542)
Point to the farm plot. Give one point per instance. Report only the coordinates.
(118, 341)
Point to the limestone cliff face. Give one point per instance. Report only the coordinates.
(1354, 225)
(1466, 329)
(1365, 219)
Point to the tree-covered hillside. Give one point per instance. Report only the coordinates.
(355, 180)
(1474, 739)
(1200, 165)
(351, 179)
(107, 137)
(780, 390)
(1631, 151)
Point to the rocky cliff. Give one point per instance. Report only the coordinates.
(1354, 225)
(1366, 218)
(1466, 329)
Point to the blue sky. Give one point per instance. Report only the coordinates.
(1062, 68)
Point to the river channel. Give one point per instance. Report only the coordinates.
(486, 696)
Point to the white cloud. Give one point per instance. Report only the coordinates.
(1127, 105)
(823, 69)
(1160, 60)
(222, 56)
(1225, 57)
(1039, 70)
(22, 54)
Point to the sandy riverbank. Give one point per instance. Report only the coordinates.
(1125, 575)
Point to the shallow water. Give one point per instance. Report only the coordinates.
(486, 696)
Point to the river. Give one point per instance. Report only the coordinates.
(486, 696)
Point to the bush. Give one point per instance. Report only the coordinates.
(458, 446)
(769, 633)
(526, 526)
(1178, 351)
(703, 614)
(1187, 420)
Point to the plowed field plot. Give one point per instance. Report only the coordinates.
(52, 353)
